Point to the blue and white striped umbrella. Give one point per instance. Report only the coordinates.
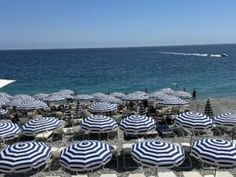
(41, 96)
(157, 153)
(226, 120)
(6, 95)
(54, 97)
(98, 124)
(9, 130)
(85, 155)
(66, 92)
(18, 99)
(67, 112)
(108, 99)
(172, 100)
(119, 95)
(3, 111)
(102, 107)
(137, 124)
(84, 97)
(98, 94)
(158, 95)
(193, 121)
(167, 91)
(4, 100)
(135, 97)
(24, 156)
(31, 105)
(215, 152)
(183, 94)
(41, 124)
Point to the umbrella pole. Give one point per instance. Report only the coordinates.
(156, 172)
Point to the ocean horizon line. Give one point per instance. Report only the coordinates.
(121, 47)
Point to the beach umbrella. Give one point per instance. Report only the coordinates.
(54, 97)
(158, 153)
(98, 124)
(183, 94)
(208, 109)
(141, 93)
(4, 82)
(41, 124)
(215, 152)
(137, 124)
(24, 156)
(18, 99)
(226, 120)
(31, 105)
(85, 155)
(66, 92)
(167, 91)
(173, 101)
(158, 95)
(98, 94)
(119, 95)
(108, 99)
(78, 108)
(84, 97)
(102, 107)
(5, 95)
(41, 96)
(193, 121)
(3, 112)
(4, 101)
(135, 97)
(9, 130)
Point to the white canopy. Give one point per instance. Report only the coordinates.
(4, 82)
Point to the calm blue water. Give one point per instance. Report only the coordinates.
(121, 69)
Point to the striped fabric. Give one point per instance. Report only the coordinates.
(41, 96)
(157, 153)
(32, 105)
(183, 94)
(67, 112)
(215, 152)
(85, 155)
(194, 121)
(84, 97)
(54, 97)
(102, 107)
(108, 99)
(172, 100)
(4, 100)
(98, 124)
(118, 95)
(78, 108)
(135, 97)
(9, 130)
(24, 156)
(226, 120)
(137, 124)
(3, 112)
(42, 124)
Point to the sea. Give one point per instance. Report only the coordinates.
(122, 69)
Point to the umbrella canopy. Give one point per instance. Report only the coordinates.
(173, 100)
(54, 97)
(41, 96)
(98, 94)
(85, 155)
(18, 99)
(142, 109)
(9, 130)
(4, 82)
(3, 112)
(167, 91)
(102, 107)
(84, 97)
(66, 92)
(42, 124)
(108, 99)
(6, 95)
(215, 152)
(193, 121)
(119, 95)
(31, 105)
(208, 109)
(137, 124)
(98, 124)
(157, 153)
(158, 95)
(24, 156)
(4, 101)
(183, 94)
(226, 120)
(135, 97)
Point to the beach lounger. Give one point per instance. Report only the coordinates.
(125, 153)
(165, 132)
(44, 135)
(166, 174)
(56, 151)
(191, 174)
(108, 175)
(221, 174)
(137, 175)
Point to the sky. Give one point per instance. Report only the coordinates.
(42, 24)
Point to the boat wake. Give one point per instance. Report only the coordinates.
(194, 54)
